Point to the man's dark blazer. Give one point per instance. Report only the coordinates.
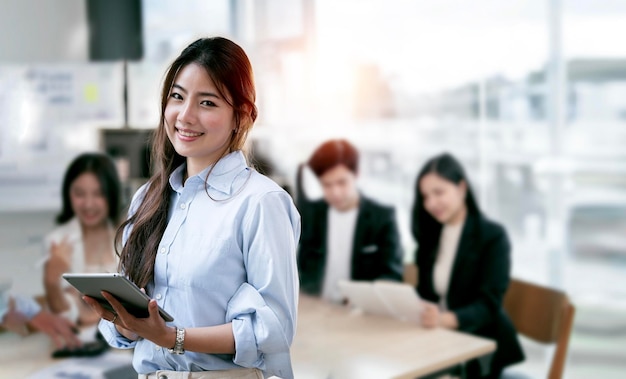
(376, 249)
(478, 281)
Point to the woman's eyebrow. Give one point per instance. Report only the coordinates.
(209, 94)
(179, 87)
(203, 94)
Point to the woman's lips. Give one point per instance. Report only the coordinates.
(187, 135)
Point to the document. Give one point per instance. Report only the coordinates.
(386, 298)
(101, 367)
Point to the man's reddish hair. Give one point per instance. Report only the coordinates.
(333, 153)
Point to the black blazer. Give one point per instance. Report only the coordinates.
(376, 249)
(478, 282)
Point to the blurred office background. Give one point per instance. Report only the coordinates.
(529, 94)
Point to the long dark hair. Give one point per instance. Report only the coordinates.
(229, 68)
(426, 229)
(103, 168)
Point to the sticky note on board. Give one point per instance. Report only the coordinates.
(90, 93)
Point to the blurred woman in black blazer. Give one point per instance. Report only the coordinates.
(464, 262)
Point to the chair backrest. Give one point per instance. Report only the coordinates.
(543, 314)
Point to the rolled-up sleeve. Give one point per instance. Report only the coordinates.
(27, 306)
(113, 337)
(263, 311)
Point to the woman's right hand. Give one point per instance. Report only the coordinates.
(112, 317)
(430, 315)
(60, 259)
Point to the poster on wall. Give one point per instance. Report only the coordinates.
(48, 115)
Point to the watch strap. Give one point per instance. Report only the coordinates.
(179, 342)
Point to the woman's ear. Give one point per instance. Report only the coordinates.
(463, 188)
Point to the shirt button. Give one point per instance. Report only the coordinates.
(157, 348)
(183, 206)
(162, 376)
(163, 250)
(158, 296)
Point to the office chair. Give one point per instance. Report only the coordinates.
(544, 315)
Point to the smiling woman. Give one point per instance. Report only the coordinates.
(211, 240)
(83, 242)
(464, 262)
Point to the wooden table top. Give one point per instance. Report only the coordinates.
(333, 340)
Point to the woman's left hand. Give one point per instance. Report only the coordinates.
(152, 328)
(433, 317)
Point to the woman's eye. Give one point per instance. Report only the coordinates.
(78, 195)
(208, 103)
(175, 95)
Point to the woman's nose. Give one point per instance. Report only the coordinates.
(187, 113)
(89, 201)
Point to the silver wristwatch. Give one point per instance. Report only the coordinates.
(180, 341)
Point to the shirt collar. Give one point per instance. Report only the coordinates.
(221, 178)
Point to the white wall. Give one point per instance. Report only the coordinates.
(33, 31)
(21, 250)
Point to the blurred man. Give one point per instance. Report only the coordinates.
(17, 313)
(346, 235)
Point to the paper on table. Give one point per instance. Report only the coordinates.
(361, 295)
(401, 298)
(88, 368)
(380, 297)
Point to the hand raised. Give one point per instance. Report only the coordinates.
(60, 258)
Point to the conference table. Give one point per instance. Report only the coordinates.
(30, 357)
(332, 341)
(335, 341)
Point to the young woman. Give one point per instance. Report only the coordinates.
(83, 241)
(212, 241)
(463, 261)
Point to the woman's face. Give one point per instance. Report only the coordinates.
(443, 199)
(199, 122)
(88, 202)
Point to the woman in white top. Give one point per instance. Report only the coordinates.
(212, 241)
(463, 262)
(83, 241)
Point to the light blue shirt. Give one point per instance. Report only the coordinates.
(227, 257)
(24, 305)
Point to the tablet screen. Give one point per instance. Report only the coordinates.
(125, 291)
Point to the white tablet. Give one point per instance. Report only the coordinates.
(361, 295)
(386, 298)
(125, 291)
